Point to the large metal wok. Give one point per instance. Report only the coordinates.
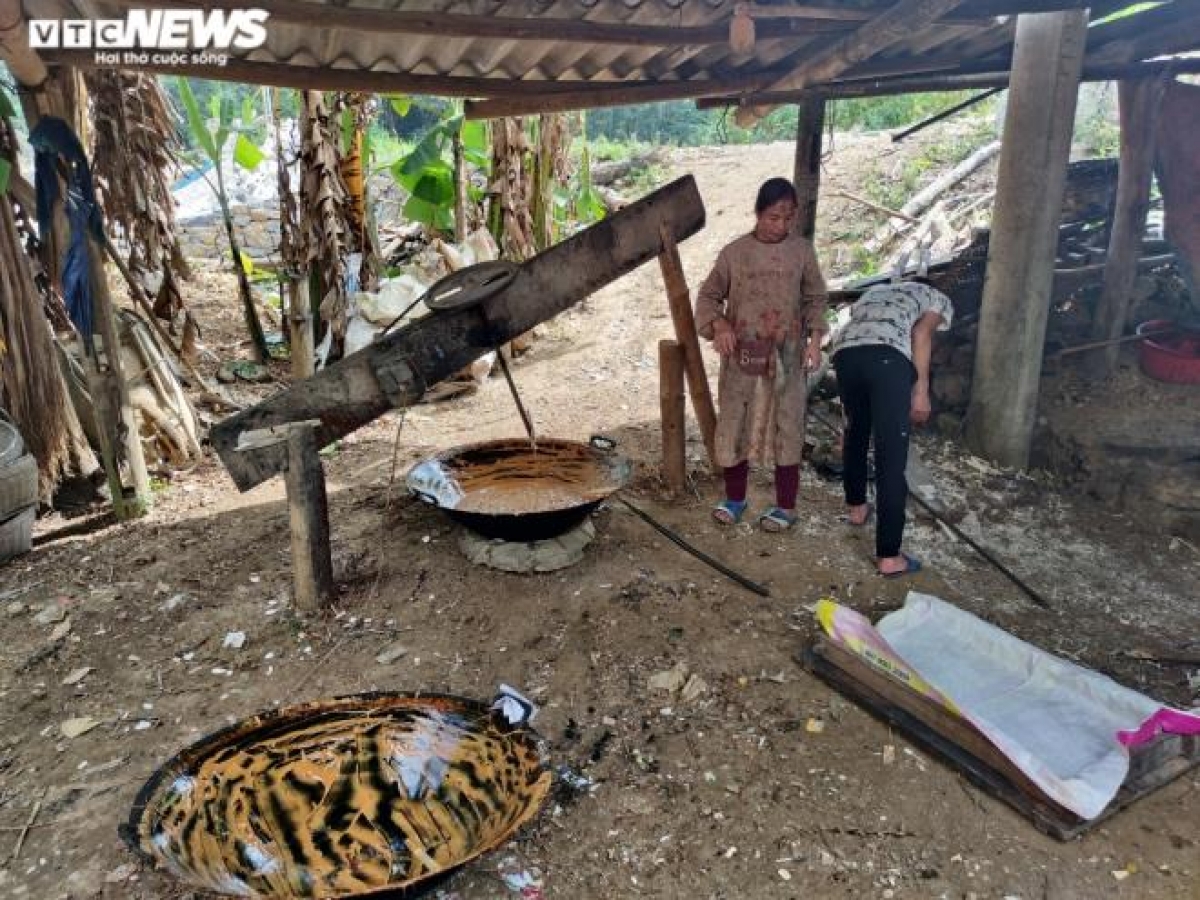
(375, 795)
(511, 490)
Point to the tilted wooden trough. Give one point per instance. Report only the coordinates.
(397, 370)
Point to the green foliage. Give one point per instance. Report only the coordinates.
(210, 134)
(894, 190)
(5, 172)
(427, 171)
(233, 96)
(882, 113)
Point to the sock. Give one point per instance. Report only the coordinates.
(736, 479)
(787, 486)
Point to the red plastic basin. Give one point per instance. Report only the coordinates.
(1172, 357)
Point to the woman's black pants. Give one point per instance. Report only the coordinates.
(875, 383)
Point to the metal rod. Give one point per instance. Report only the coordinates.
(966, 539)
(959, 533)
(512, 386)
(1096, 345)
(699, 554)
(944, 114)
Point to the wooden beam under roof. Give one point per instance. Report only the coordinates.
(500, 28)
(889, 27)
(972, 13)
(330, 78)
(775, 21)
(917, 84)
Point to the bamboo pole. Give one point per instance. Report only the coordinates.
(679, 298)
(671, 405)
(1138, 102)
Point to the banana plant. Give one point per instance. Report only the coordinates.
(211, 139)
(429, 173)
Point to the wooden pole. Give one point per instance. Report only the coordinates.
(680, 300)
(128, 434)
(670, 399)
(1139, 102)
(1047, 60)
(809, 129)
(308, 511)
(300, 326)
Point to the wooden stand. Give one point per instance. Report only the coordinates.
(679, 298)
(960, 744)
(308, 509)
(670, 398)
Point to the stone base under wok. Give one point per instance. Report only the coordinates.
(525, 557)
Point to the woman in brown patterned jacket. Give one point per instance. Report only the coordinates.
(763, 307)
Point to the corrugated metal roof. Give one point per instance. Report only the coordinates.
(656, 48)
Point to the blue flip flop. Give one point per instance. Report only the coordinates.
(912, 565)
(776, 519)
(729, 512)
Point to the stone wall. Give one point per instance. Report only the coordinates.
(257, 232)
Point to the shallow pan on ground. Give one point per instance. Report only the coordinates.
(375, 795)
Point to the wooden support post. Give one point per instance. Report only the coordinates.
(300, 327)
(1139, 101)
(1047, 60)
(810, 126)
(670, 399)
(308, 512)
(128, 434)
(680, 300)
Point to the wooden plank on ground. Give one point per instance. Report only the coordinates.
(958, 743)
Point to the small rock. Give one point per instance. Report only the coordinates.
(235, 640)
(61, 630)
(389, 655)
(694, 688)
(173, 602)
(121, 873)
(889, 754)
(785, 874)
(15, 609)
(73, 728)
(814, 726)
(670, 680)
(77, 675)
(50, 614)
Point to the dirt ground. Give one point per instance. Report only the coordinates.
(767, 785)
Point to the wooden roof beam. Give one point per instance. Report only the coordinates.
(602, 96)
(436, 24)
(873, 87)
(329, 78)
(975, 12)
(889, 27)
